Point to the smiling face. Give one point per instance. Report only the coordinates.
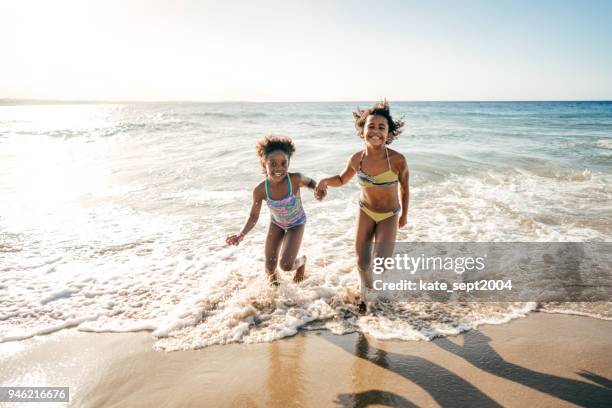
(375, 130)
(277, 164)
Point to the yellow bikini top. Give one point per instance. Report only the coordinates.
(385, 179)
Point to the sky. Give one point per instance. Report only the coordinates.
(200, 50)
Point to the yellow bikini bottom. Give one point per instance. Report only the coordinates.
(378, 216)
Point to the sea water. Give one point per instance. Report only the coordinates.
(113, 216)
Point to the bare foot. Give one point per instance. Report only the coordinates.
(300, 271)
(364, 291)
(273, 278)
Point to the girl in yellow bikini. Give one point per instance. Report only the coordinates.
(379, 170)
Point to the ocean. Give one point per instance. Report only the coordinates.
(113, 216)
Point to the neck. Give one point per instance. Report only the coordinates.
(375, 152)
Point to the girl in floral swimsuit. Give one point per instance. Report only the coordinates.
(281, 192)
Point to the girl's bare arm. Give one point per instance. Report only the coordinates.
(339, 179)
(404, 191)
(306, 181)
(345, 175)
(258, 197)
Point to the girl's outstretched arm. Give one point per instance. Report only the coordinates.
(306, 181)
(340, 179)
(259, 194)
(405, 191)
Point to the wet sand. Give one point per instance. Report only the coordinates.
(544, 360)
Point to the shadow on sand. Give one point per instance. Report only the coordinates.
(477, 351)
(450, 390)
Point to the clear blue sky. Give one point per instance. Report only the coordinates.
(306, 50)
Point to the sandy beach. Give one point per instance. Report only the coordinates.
(544, 360)
(159, 161)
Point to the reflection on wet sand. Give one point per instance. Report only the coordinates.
(285, 373)
(361, 380)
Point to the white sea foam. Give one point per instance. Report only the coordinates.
(122, 228)
(598, 310)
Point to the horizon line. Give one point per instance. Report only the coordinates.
(28, 101)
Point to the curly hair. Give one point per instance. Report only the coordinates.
(380, 109)
(271, 144)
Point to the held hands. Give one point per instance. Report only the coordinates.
(320, 190)
(234, 239)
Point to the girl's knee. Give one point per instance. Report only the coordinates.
(286, 264)
(271, 264)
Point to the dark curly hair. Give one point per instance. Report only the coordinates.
(380, 109)
(271, 144)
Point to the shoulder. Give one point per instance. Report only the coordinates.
(355, 158)
(397, 159)
(260, 190)
(295, 178)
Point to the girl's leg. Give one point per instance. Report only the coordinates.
(273, 243)
(291, 247)
(363, 247)
(385, 236)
